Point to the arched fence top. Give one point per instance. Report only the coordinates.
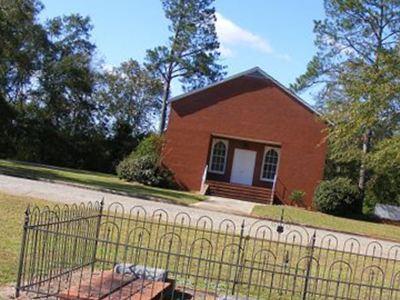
(218, 256)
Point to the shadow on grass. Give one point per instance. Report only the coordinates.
(103, 182)
(361, 217)
(47, 168)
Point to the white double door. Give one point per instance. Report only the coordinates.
(243, 166)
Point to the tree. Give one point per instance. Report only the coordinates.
(121, 143)
(62, 101)
(191, 53)
(357, 70)
(66, 80)
(384, 186)
(131, 96)
(7, 114)
(22, 39)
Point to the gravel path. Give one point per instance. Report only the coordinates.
(69, 194)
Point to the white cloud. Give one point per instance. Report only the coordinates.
(108, 68)
(231, 35)
(285, 57)
(225, 51)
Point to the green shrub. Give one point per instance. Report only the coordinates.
(297, 196)
(149, 146)
(337, 197)
(144, 164)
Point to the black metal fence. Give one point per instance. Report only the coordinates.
(89, 252)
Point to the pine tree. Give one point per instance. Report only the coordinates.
(357, 67)
(191, 54)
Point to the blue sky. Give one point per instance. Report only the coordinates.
(274, 35)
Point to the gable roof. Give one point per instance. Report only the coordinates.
(253, 72)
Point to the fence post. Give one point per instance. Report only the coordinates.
(239, 258)
(97, 233)
(309, 265)
(22, 252)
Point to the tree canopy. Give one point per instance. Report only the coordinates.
(57, 104)
(357, 72)
(191, 54)
(130, 95)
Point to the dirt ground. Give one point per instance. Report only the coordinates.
(8, 292)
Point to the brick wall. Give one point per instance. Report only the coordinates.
(250, 108)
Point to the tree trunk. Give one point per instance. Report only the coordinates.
(164, 106)
(168, 77)
(363, 173)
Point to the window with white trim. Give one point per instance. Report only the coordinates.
(270, 164)
(219, 152)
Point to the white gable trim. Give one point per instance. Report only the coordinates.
(250, 72)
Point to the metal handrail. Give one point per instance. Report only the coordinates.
(203, 180)
(273, 188)
(281, 194)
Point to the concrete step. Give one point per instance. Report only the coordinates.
(241, 192)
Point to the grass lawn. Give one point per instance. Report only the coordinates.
(317, 219)
(12, 210)
(95, 180)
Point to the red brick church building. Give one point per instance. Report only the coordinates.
(246, 137)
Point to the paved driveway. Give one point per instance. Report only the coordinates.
(226, 205)
(70, 194)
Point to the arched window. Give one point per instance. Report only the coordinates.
(270, 165)
(218, 156)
